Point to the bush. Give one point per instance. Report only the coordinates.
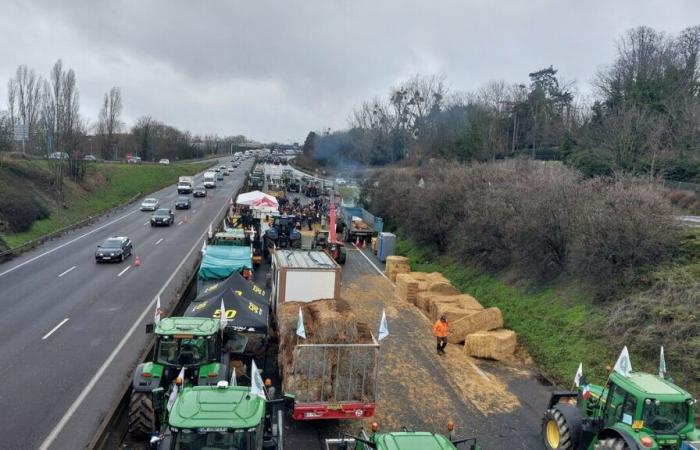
(20, 210)
(593, 163)
(540, 219)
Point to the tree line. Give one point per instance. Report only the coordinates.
(644, 116)
(48, 110)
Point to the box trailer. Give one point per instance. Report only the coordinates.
(303, 276)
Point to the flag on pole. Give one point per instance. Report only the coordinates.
(223, 320)
(210, 232)
(233, 377)
(662, 363)
(579, 374)
(156, 315)
(383, 327)
(173, 393)
(257, 387)
(204, 247)
(301, 332)
(623, 366)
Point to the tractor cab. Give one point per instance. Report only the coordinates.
(640, 410)
(283, 233)
(401, 440)
(189, 343)
(221, 417)
(335, 249)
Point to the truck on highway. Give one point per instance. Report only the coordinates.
(210, 179)
(358, 223)
(185, 185)
(332, 372)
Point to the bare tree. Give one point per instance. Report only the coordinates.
(24, 92)
(109, 123)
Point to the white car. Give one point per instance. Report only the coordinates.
(340, 181)
(164, 161)
(149, 204)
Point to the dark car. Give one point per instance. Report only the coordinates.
(116, 248)
(219, 176)
(199, 191)
(162, 216)
(183, 203)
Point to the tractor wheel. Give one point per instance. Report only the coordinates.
(555, 431)
(142, 415)
(611, 444)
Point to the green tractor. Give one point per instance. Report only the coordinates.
(222, 417)
(189, 342)
(402, 440)
(639, 411)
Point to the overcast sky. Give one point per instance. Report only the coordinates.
(273, 70)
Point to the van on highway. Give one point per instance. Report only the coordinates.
(210, 179)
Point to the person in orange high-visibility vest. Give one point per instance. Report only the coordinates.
(440, 330)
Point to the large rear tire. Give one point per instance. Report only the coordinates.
(612, 444)
(555, 431)
(142, 415)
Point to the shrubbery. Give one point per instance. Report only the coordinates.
(541, 219)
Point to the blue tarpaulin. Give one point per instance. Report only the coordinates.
(220, 261)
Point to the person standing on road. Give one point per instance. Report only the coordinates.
(440, 330)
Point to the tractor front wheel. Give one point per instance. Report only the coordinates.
(142, 415)
(611, 444)
(555, 431)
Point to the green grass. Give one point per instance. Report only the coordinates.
(105, 186)
(555, 323)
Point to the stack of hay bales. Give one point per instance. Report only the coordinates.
(395, 265)
(309, 372)
(481, 329)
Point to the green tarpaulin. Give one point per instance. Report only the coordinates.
(220, 261)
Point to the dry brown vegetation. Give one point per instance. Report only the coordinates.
(542, 220)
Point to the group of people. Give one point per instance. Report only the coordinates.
(313, 212)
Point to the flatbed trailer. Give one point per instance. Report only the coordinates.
(360, 223)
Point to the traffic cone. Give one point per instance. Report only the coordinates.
(185, 219)
(357, 241)
(364, 243)
(137, 261)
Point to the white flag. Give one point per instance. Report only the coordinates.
(156, 315)
(223, 320)
(256, 382)
(662, 363)
(173, 393)
(211, 233)
(383, 327)
(579, 374)
(204, 247)
(301, 332)
(623, 366)
(233, 377)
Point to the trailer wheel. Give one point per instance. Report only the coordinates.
(142, 415)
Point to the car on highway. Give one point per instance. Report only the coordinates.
(340, 181)
(116, 248)
(149, 204)
(183, 203)
(89, 158)
(225, 171)
(163, 216)
(220, 176)
(222, 167)
(58, 155)
(134, 160)
(164, 161)
(199, 191)
(216, 169)
(236, 164)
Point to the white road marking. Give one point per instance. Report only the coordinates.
(179, 223)
(124, 271)
(159, 241)
(54, 329)
(67, 243)
(372, 264)
(66, 271)
(146, 223)
(479, 371)
(103, 368)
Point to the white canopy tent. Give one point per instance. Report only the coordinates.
(256, 197)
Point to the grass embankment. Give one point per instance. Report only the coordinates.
(561, 325)
(104, 186)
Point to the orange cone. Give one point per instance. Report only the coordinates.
(137, 261)
(185, 219)
(364, 243)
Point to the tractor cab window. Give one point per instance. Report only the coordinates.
(614, 404)
(184, 351)
(215, 440)
(665, 418)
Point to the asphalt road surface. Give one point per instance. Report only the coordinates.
(71, 330)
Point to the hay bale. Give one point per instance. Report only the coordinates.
(464, 301)
(406, 287)
(423, 300)
(442, 288)
(436, 277)
(482, 320)
(396, 265)
(496, 344)
(453, 312)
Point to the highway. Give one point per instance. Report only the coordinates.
(71, 330)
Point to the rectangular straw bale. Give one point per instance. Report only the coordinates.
(482, 320)
(496, 344)
(423, 299)
(396, 265)
(406, 287)
(442, 288)
(453, 312)
(465, 301)
(437, 277)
